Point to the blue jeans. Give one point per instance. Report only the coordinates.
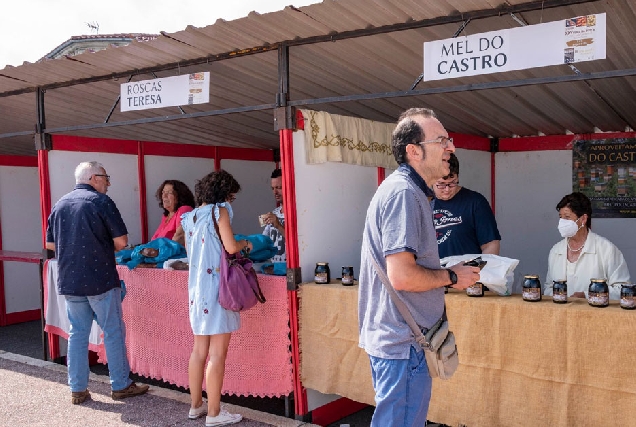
(402, 390)
(107, 310)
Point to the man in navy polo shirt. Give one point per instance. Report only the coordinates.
(464, 221)
(85, 229)
(400, 235)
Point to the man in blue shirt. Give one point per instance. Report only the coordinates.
(85, 229)
(399, 234)
(464, 221)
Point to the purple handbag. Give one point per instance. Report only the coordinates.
(238, 285)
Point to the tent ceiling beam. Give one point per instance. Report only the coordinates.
(421, 92)
(459, 17)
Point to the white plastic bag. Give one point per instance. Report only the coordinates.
(497, 274)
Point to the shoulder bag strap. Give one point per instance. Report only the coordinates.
(402, 308)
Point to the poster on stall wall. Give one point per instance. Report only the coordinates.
(577, 39)
(173, 91)
(605, 171)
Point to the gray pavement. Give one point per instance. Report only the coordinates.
(34, 393)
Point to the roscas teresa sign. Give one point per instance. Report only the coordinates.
(561, 42)
(166, 92)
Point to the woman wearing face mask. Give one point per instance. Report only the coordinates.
(583, 255)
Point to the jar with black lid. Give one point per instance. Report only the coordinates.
(531, 288)
(598, 293)
(322, 275)
(475, 290)
(347, 276)
(559, 292)
(628, 296)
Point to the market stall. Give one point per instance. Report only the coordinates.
(521, 363)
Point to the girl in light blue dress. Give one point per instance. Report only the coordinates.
(211, 324)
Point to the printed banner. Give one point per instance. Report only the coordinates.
(605, 171)
(166, 92)
(560, 42)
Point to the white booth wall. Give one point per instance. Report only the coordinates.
(124, 188)
(255, 197)
(160, 168)
(528, 187)
(331, 204)
(21, 231)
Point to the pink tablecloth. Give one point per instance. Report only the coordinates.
(159, 337)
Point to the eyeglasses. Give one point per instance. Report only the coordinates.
(105, 176)
(168, 193)
(442, 140)
(449, 185)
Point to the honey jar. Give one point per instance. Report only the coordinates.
(322, 275)
(531, 288)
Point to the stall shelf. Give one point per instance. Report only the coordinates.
(521, 363)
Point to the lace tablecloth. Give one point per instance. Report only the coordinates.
(159, 339)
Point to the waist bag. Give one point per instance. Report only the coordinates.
(438, 342)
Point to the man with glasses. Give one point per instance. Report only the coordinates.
(85, 229)
(399, 236)
(464, 221)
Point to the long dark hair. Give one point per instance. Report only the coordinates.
(215, 187)
(183, 193)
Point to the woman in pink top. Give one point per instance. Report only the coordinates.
(176, 199)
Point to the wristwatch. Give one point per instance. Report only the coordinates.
(452, 276)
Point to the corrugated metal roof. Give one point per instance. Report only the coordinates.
(386, 62)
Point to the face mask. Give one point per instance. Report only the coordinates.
(567, 227)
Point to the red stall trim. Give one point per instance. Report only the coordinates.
(93, 145)
(300, 120)
(141, 178)
(29, 161)
(45, 191)
(178, 150)
(217, 159)
(254, 154)
(470, 142)
(22, 316)
(291, 245)
(336, 410)
(3, 304)
(492, 182)
(381, 175)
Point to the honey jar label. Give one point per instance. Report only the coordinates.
(532, 294)
(599, 298)
(347, 280)
(474, 289)
(628, 302)
(560, 297)
(320, 278)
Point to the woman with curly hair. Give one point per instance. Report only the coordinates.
(176, 199)
(211, 324)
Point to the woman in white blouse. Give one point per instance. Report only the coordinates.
(583, 255)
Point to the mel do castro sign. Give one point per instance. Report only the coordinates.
(560, 42)
(166, 92)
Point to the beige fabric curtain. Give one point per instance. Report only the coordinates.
(335, 138)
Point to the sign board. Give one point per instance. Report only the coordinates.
(605, 171)
(166, 92)
(560, 42)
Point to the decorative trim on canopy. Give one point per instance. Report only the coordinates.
(335, 138)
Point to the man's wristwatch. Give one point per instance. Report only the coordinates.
(452, 277)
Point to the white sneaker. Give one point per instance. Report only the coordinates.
(198, 412)
(223, 419)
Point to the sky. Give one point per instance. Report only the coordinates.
(29, 29)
